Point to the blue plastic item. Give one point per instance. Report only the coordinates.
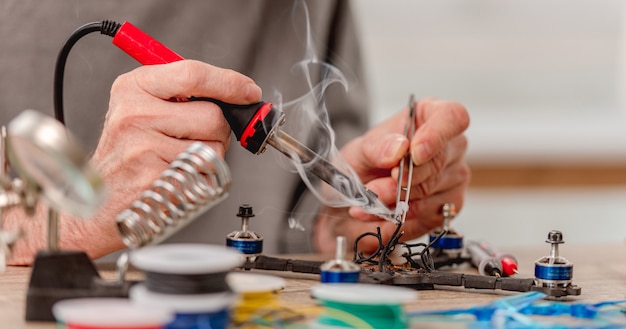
(578, 310)
(485, 312)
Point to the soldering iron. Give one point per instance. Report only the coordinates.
(254, 125)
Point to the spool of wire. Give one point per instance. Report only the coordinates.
(108, 313)
(362, 306)
(195, 181)
(258, 296)
(190, 311)
(188, 280)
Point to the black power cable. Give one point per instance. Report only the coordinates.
(105, 27)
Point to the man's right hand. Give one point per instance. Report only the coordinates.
(143, 132)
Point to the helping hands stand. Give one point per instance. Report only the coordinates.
(49, 164)
(63, 274)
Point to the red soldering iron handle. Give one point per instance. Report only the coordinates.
(251, 123)
(142, 47)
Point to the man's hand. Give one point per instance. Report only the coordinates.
(440, 175)
(143, 132)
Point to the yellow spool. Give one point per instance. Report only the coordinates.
(259, 295)
(254, 305)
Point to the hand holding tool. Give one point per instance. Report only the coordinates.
(255, 125)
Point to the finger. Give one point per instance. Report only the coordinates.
(425, 178)
(130, 111)
(453, 152)
(170, 148)
(455, 174)
(437, 123)
(425, 214)
(141, 162)
(201, 121)
(386, 189)
(194, 78)
(374, 155)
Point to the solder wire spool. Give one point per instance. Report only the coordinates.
(194, 182)
(258, 296)
(188, 280)
(362, 306)
(107, 313)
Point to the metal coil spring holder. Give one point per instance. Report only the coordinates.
(554, 271)
(194, 182)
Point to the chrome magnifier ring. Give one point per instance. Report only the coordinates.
(43, 153)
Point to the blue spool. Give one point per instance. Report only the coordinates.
(554, 272)
(339, 276)
(212, 320)
(246, 246)
(202, 311)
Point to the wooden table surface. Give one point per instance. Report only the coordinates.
(599, 270)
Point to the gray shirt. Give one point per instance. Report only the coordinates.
(262, 39)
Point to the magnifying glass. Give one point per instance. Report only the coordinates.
(43, 153)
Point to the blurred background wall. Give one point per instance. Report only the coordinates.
(545, 84)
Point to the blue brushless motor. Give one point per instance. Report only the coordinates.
(554, 271)
(340, 270)
(247, 242)
(452, 242)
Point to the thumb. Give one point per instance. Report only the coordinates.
(186, 78)
(373, 155)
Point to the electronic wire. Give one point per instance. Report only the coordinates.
(104, 27)
(184, 284)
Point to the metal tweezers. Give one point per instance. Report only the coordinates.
(404, 184)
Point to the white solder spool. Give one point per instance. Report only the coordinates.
(199, 270)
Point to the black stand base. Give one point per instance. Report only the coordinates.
(59, 275)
